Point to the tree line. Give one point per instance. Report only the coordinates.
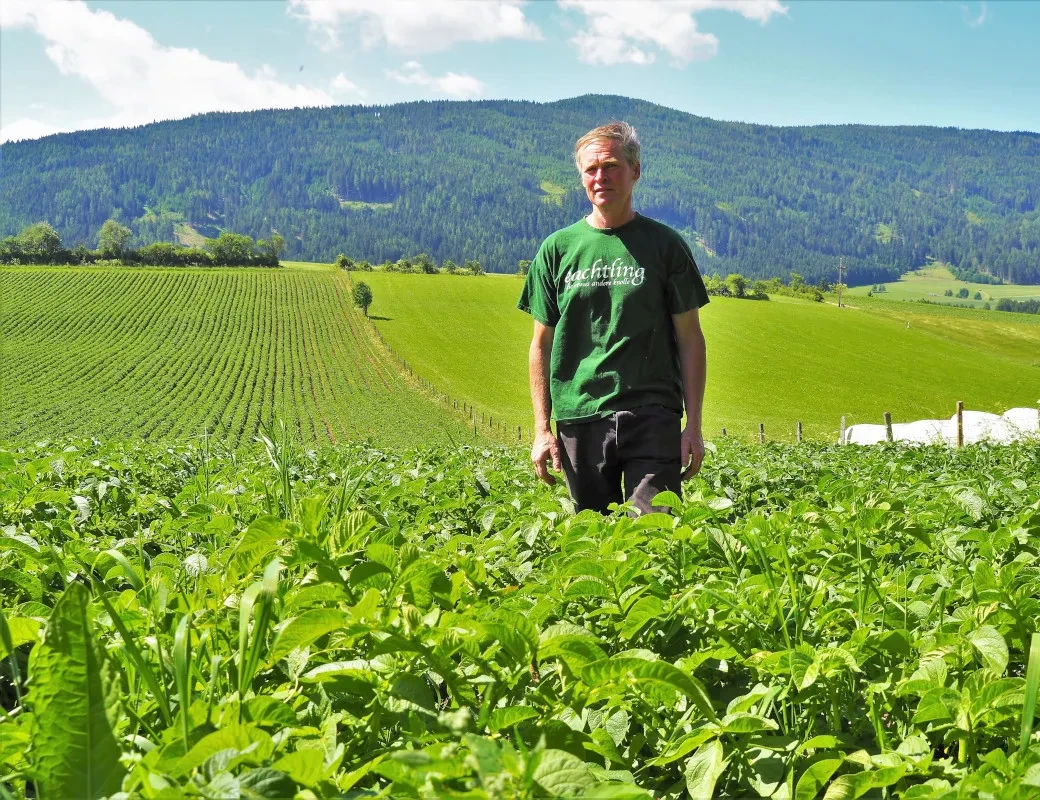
(40, 243)
(382, 182)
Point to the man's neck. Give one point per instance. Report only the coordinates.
(601, 218)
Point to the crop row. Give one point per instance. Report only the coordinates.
(810, 622)
(160, 353)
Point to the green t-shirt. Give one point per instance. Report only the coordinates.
(609, 293)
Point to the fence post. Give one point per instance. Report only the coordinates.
(761, 433)
(798, 432)
(960, 423)
(888, 427)
(724, 432)
(519, 434)
(841, 431)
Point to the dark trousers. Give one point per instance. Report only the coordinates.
(630, 455)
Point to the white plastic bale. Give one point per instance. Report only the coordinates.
(1025, 420)
(976, 425)
(923, 431)
(864, 434)
(1015, 425)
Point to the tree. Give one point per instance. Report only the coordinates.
(272, 249)
(522, 267)
(737, 284)
(231, 249)
(113, 239)
(362, 296)
(977, 296)
(424, 264)
(450, 266)
(963, 292)
(475, 267)
(39, 243)
(342, 262)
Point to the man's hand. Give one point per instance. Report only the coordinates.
(692, 451)
(545, 448)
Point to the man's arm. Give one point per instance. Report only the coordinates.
(693, 368)
(538, 360)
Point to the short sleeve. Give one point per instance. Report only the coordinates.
(538, 297)
(685, 286)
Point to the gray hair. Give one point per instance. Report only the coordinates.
(620, 132)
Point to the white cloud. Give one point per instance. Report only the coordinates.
(451, 84)
(631, 31)
(418, 26)
(341, 85)
(976, 21)
(141, 80)
(27, 129)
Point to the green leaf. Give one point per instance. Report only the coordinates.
(638, 670)
(265, 710)
(265, 783)
(305, 767)
(815, 778)
(667, 499)
(991, 647)
(308, 627)
(75, 694)
(561, 774)
(508, 717)
(1032, 692)
(15, 632)
(746, 723)
(644, 610)
(259, 540)
(703, 770)
(231, 737)
(850, 786)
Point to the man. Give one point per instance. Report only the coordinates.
(617, 351)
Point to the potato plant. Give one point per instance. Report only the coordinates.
(810, 622)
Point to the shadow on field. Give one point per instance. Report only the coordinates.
(382, 319)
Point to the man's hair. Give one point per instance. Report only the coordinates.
(620, 132)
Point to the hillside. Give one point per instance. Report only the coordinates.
(488, 180)
(776, 362)
(167, 353)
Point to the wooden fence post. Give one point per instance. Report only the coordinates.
(723, 432)
(960, 423)
(888, 427)
(761, 433)
(519, 434)
(841, 431)
(798, 432)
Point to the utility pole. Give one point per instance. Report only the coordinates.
(841, 277)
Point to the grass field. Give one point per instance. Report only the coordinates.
(124, 352)
(776, 362)
(931, 283)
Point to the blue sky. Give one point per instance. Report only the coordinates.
(72, 65)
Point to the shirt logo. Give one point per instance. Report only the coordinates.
(601, 274)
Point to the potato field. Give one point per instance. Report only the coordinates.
(158, 353)
(177, 620)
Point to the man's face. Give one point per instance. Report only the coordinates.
(608, 178)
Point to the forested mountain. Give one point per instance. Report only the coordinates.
(488, 180)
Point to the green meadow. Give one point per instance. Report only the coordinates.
(931, 283)
(776, 362)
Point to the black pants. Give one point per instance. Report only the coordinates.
(638, 450)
